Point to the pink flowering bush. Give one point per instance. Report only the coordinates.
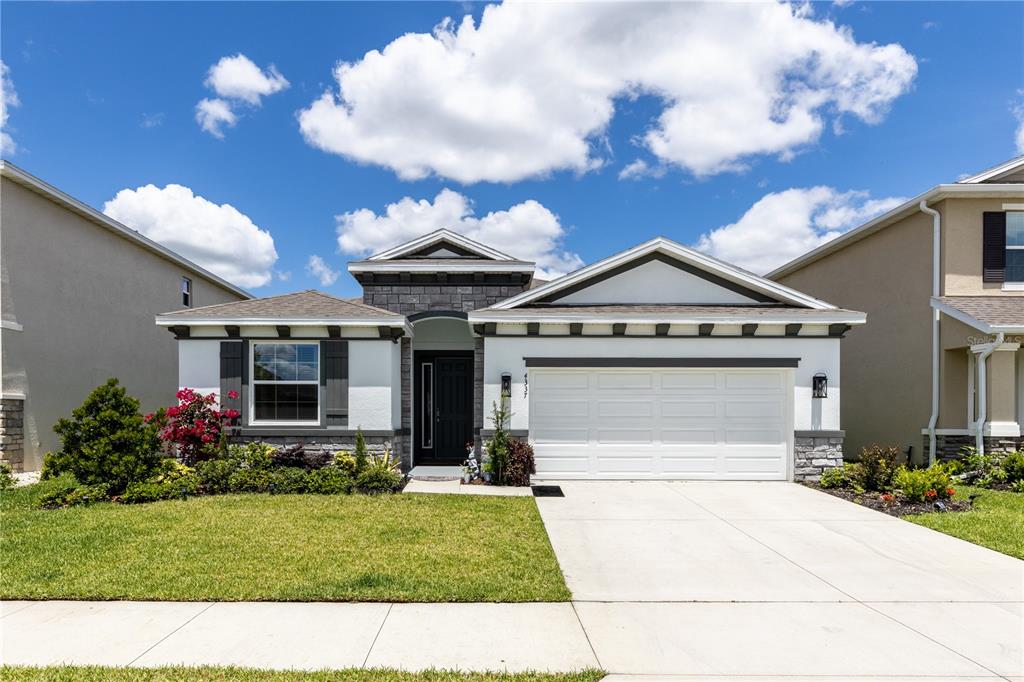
(194, 429)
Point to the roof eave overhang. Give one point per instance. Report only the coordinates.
(434, 237)
(175, 321)
(909, 207)
(971, 321)
(520, 317)
(773, 289)
(428, 266)
(31, 182)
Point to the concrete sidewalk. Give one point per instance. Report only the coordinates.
(304, 636)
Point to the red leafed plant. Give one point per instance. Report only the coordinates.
(194, 429)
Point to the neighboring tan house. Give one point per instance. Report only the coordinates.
(658, 363)
(942, 280)
(77, 295)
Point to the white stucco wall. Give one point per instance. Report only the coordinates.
(372, 379)
(504, 354)
(654, 282)
(199, 366)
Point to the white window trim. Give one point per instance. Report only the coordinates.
(253, 381)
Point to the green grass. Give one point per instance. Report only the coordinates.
(420, 548)
(996, 522)
(210, 674)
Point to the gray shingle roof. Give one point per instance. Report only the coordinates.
(997, 311)
(309, 304)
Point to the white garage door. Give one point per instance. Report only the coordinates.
(660, 423)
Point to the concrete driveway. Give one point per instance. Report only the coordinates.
(775, 579)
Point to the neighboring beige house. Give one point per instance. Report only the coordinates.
(941, 278)
(78, 295)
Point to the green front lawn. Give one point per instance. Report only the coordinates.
(996, 522)
(209, 674)
(421, 548)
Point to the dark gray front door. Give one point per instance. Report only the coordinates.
(444, 405)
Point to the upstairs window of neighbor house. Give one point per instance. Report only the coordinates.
(285, 383)
(1015, 246)
(186, 292)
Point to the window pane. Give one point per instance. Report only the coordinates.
(264, 402)
(286, 402)
(306, 402)
(1015, 228)
(263, 362)
(1015, 265)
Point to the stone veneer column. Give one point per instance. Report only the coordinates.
(12, 432)
(815, 451)
(406, 431)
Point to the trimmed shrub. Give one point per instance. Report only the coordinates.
(381, 474)
(834, 477)
(255, 455)
(6, 476)
(69, 493)
(361, 455)
(879, 464)
(347, 463)
(298, 456)
(176, 488)
(250, 481)
(106, 441)
(214, 475)
(1017, 486)
(288, 481)
(1013, 465)
(498, 444)
(519, 463)
(920, 485)
(331, 480)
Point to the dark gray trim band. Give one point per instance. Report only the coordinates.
(819, 434)
(662, 362)
(515, 433)
(308, 432)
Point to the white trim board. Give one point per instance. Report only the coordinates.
(436, 236)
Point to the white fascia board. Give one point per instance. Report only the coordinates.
(960, 315)
(996, 171)
(909, 207)
(437, 236)
(670, 248)
(429, 265)
(272, 321)
(26, 179)
(519, 317)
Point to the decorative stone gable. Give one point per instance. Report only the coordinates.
(409, 298)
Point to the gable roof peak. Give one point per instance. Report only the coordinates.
(438, 236)
(995, 173)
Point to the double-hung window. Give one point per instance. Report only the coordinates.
(1015, 246)
(285, 383)
(186, 292)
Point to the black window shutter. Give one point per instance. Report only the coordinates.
(231, 370)
(334, 381)
(993, 247)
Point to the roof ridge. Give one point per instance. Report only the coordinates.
(358, 304)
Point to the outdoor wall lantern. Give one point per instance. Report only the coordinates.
(506, 385)
(819, 386)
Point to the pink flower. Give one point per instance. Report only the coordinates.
(232, 394)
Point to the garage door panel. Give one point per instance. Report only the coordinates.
(617, 381)
(688, 408)
(660, 423)
(745, 409)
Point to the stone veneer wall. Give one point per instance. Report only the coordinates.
(409, 299)
(815, 451)
(478, 392)
(406, 379)
(949, 447)
(327, 443)
(12, 433)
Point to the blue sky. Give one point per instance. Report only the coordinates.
(106, 98)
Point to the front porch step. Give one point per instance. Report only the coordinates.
(435, 473)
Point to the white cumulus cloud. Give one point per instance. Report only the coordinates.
(238, 77)
(531, 89)
(783, 225)
(1018, 111)
(318, 267)
(213, 114)
(218, 237)
(529, 230)
(8, 99)
(237, 81)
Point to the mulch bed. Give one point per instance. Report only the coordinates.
(897, 507)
